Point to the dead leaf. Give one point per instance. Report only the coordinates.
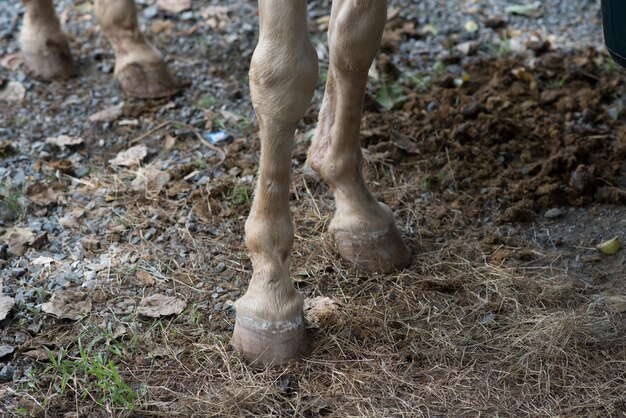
(38, 355)
(18, 240)
(41, 194)
(230, 117)
(216, 17)
(524, 75)
(468, 47)
(63, 141)
(12, 61)
(529, 10)
(39, 241)
(6, 304)
(118, 330)
(158, 305)
(170, 141)
(174, 6)
(322, 311)
(144, 278)
(68, 304)
(131, 157)
(13, 91)
(91, 244)
(110, 114)
(41, 260)
(405, 143)
(164, 27)
(69, 221)
(150, 180)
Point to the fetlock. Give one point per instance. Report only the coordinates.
(44, 46)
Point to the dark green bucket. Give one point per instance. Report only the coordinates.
(614, 23)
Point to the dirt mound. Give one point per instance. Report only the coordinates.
(519, 135)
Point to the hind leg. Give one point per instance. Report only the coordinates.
(363, 228)
(44, 46)
(139, 67)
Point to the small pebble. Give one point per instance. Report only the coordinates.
(553, 213)
(6, 374)
(5, 350)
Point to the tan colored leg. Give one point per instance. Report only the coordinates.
(269, 325)
(364, 229)
(139, 67)
(44, 45)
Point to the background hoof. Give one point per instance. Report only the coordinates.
(147, 80)
(52, 62)
(381, 251)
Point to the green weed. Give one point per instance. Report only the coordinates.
(391, 96)
(92, 374)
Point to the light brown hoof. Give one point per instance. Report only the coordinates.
(382, 251)
(147, 80)
(51, 60)
(269, 343)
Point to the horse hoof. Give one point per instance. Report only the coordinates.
(266, 343)
(147, 80)
(51, 60)
(374, 251)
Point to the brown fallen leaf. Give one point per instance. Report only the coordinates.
(159, 305)
(174, 6)
(6, 304)
(69, 221)
(523, 74)
(91, 244)
(39, 241)
(150, 180)
(13, 91)
(38, 355)
(164, 27)
(41, 194)
(18, 240)
(144, 278)
(170, 141)
(131, 157)
(405, 143)
(68, 304)
(110, 114)
(216, 17)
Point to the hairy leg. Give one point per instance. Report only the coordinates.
(44, 46)
(363, 228)
(139, 67)
(269, 325)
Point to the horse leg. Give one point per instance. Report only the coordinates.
(363, 228)
(139, 66)
(44, 46)
(269, 325)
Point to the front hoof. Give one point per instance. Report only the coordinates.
(269, 343)
(147, 80)
(51, 61)
(379, 251)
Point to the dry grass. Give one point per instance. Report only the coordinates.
(452, 335)
(449, 339)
